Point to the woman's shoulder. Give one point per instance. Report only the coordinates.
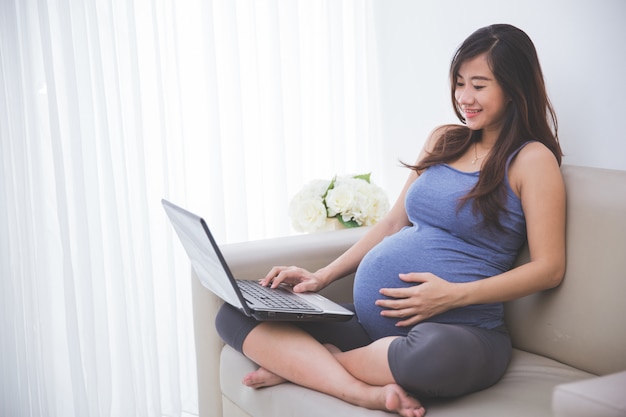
(532, 163)
(532, 153)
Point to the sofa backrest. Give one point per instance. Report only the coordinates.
(583, 321)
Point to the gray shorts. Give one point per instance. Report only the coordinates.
(433, 360)
(438, 360)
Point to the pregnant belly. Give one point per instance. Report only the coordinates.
(408, 251)
(380, 269)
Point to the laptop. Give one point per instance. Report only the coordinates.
(254, 300)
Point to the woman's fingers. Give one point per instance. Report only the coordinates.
(283, 274)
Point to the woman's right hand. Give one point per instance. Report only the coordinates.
(301, 279)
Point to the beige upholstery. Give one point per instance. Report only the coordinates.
(582, 322)
(604, 396)
(563, 338)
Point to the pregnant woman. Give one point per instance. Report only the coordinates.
(431, 276)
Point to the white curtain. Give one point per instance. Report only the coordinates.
(106, 106)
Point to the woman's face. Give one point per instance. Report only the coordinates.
(479, 96)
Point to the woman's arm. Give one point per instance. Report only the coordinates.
(536, 178)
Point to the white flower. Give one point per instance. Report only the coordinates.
(343, 198)
(376, 205)
(307, 209)
(353, 200)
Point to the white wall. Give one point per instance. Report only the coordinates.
(581, 45)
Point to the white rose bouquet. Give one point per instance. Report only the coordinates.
(353, 200)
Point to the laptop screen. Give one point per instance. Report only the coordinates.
(205, 261)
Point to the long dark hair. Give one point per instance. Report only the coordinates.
(513, 60)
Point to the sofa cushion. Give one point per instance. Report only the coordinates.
(602, 396)
(525, 390)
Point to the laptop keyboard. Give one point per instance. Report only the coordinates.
(273, 298)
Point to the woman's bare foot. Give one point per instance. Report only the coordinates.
(262, 378)
(397, 400)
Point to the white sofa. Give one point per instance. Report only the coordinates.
(569, 343)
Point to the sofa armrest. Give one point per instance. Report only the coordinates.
(252, 260)
(208, 347)
(602, 396)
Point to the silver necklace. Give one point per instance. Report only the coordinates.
(476, 157)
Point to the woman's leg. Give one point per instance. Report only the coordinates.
(375, 355)
(434, 360)
(291, 353)
(445, 360)
(234, 327)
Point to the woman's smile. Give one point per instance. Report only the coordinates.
(469, 114)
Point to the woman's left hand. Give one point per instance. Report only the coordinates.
(414, 304)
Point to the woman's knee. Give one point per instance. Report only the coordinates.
(439, 360)
(233, 326)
